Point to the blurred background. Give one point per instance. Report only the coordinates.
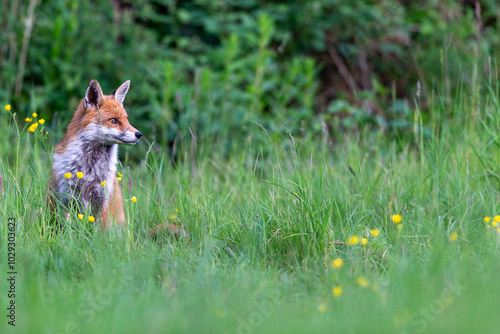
(212, 69)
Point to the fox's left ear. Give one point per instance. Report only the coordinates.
(122, 91)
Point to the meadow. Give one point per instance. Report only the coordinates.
(353, 232)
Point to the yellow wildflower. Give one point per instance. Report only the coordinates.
(67, 175)
(176, 210)
(494, 224)
(337, 263)
(496, 218)
(486, 219)
(79, 175)
(354, 240)
(34, 114)
(322, 308)
(454, 236)
(172, 217)
(119, 178)
(103, 183)
(7, 107)
(119, 174)
(363, 282)
(374, 233)
(41, 121)
(396, 219)
(80, 216)
(27, 119)
(91, 219)
(337, 291)
(364, 241)
(134, 199)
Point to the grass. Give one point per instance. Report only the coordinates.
(266, 221)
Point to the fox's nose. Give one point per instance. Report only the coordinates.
(138, 135)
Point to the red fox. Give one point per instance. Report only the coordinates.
(90, 147)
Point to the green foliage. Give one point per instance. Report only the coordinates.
(211, 67)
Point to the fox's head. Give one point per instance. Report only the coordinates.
(104, 118)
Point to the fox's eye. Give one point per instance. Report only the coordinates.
(114, 121)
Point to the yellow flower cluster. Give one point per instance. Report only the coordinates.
(119, 178)
(91, 218)
(494, 223)
(33, 126)
(355, 240)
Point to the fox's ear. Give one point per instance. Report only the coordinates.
(94, 96)
(122, 91)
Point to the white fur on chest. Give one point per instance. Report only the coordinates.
(96, 161)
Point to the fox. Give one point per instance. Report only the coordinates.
(90, 147)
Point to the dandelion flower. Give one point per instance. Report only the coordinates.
(374, 233)
(322, 308)
(364, 241)
(103, 183)
(34, 114)
(79, 175)
(454, 236)
(67, 175)
(396, 219)
(363, 282)
(27, 119)
(354, 240)
(80, 216)
(486, 219)
(496, 218)
(41, 121)
(494, 224)
(337, 263)
(134, 199)
(91, 219)
(337, 291)
(7, 107)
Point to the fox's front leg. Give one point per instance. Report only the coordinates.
(114, 209)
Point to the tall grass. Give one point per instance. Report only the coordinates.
(265, 221)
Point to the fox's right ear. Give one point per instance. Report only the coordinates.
(94, 96)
